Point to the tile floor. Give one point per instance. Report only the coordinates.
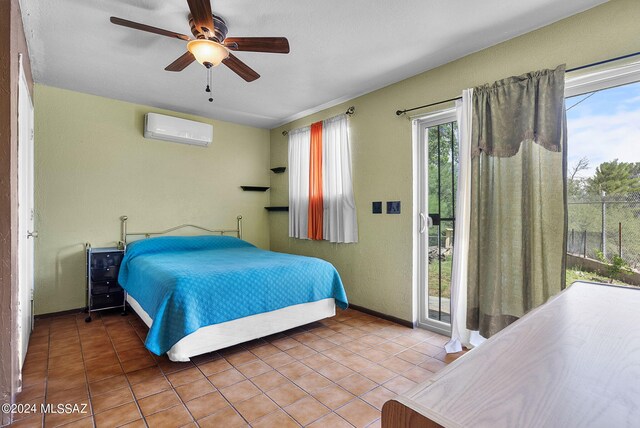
(334, 373)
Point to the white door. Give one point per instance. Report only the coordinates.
(26, 234)
(436, 156)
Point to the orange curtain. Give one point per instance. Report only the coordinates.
(315, 183)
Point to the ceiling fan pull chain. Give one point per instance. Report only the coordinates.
(208, 88)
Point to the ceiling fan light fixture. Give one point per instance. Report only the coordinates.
(208, 52)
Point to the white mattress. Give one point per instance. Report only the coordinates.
(223, 335)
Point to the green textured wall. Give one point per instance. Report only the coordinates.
(94, 165)
(377, 271)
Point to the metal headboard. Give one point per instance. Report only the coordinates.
(124, 234)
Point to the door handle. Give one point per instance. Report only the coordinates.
(423, 222)
(33, 234)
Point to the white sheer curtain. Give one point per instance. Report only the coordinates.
(460, 335)
(299, 144)
(339, 218)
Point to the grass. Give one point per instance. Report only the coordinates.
(572, 276)
(446, 278)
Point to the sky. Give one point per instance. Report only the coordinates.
(604, 127)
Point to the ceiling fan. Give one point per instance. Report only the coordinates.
(210, 45)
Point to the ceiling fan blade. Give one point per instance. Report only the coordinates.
(258, 44)
(240, 68)
(181, 63)
(201, 14)
(148, 28)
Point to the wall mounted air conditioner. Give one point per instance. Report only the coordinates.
(169, 128)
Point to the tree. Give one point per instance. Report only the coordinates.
(614, 178)
(576, 184)
(582, 165)
(442, 150)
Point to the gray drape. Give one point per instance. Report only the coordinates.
(518, 198)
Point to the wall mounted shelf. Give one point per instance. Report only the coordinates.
(279, 169)
(276, 208)
(254, 188)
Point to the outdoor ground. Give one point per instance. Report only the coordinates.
(573, 275)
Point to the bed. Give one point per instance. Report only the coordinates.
(202, 293)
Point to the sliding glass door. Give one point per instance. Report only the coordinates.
(437, 151)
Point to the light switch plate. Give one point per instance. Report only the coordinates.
(393, 207)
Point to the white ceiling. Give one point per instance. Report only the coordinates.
(339, 49)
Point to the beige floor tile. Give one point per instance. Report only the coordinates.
(358, 413)
(301, 351)
(418, 374)
(111, 399)
(333, 396)
(143, 375)
(307, 410)
(106, 385)
(264, 351)
(335, 371)
(378, 396)
(277, 419)
(294, 370)
(117, 416)
(157, 402)
(226, 378)
(433, 365)
(278, 360)
(195, 389)
(378, 374)
(399, 384)
(150, 387)
(254, 368)
(331, 420)
(183, 377)
(138, 363)
(269, 380)
(414, 357)
(206, 405)
(241, 357)
(256, 407)
(176, 416)
(317, 361)
(227, 418)
(286, 394)
(240, 391)
(357, 384)
(216, 366)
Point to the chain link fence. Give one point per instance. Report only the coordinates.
(604, 227)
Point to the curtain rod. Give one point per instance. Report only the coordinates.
(350, 111)
(593, 64)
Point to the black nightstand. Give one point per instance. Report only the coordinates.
(103, 290)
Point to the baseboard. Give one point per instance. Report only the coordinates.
(60, 313)
(368, 311)
(391, 318)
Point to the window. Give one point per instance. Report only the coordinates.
(603, 178)
(437, 173)
(321, 200)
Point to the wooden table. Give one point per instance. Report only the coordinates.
(572, 362)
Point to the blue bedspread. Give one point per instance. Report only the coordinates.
(185, 283)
